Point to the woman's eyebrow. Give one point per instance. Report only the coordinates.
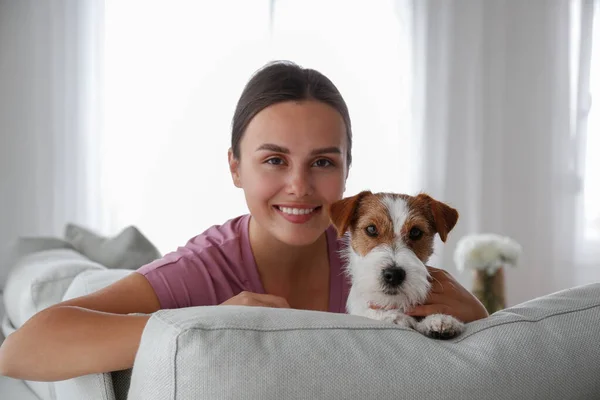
(326, 150)
(273, 147)
(279, 149)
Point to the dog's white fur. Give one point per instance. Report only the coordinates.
(367, 288)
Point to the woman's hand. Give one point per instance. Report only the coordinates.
(449, 297)
(256, 300)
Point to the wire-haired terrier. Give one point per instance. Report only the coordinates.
(390, 238)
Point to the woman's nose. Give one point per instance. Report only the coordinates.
(300, 183)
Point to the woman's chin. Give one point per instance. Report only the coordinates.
(299, 236)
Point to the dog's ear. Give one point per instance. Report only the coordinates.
(444, 216)
(342, 212)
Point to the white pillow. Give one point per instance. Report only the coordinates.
(40, 280)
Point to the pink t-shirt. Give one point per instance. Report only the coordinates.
(218, 264)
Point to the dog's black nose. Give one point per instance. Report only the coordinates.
(394, 276)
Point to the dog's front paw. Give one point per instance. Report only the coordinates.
(440, 326)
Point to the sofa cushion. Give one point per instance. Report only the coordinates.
(40, 280)
(25, 245)
(546, 348)
(93, 280)
(130, 249)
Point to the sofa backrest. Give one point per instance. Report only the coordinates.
(546, 348)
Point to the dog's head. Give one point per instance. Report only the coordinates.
(391, 239)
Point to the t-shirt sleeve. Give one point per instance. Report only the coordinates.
(196, 275)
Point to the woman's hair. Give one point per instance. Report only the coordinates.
(281, 81)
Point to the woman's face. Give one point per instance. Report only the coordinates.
(292, 165)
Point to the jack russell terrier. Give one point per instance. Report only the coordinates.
(390, 240)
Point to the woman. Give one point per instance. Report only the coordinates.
(290, 153)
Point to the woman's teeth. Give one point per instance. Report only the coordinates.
(296, 211)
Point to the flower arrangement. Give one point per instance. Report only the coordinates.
(487, 255)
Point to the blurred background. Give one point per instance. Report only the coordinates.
(118, 112)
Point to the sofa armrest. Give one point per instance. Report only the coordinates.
(94, 386)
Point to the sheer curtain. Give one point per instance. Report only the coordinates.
(49, 115)
(498, 138)
(173, 75)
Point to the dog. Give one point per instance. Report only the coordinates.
(390, 238)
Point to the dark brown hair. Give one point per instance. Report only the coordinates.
(281, 81)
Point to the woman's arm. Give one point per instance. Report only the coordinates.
(89, 334)
(65, 342)
(92, 334)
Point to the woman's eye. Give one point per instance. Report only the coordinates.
(275, 161)
(322, 163)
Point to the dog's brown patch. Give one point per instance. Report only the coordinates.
(441, 216)
(423, 246)
(431, 217)
(371, 211)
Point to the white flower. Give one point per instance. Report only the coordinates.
(486, 252)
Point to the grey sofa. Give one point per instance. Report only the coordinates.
(546, 348)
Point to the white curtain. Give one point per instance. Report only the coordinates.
(494, 114)
(49, 78)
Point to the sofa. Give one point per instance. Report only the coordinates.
(546, 348)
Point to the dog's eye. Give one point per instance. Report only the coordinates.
(415, 234)
(371, 231)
